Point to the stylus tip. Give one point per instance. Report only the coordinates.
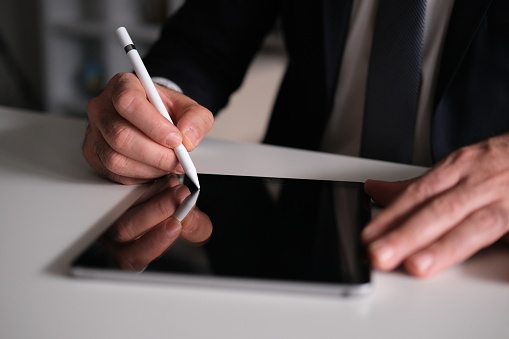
(193, 176)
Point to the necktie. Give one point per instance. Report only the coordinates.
(394, 76)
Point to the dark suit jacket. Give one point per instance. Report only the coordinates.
(207, 46)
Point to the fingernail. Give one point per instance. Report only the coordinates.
(191, 136)
(173, 227)
(423, 262)
(173, 140)
(382, 252)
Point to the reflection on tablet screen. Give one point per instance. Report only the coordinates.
(247, 232)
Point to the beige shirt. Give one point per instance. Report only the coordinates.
(344, 130)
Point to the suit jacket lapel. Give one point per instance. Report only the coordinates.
(464, 23)
(336, 19)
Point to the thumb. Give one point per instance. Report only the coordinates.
(384, 192)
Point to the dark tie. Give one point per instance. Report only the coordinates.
(394, 77)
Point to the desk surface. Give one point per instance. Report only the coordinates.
(52, 206)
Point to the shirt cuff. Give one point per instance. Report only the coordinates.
(167, 83)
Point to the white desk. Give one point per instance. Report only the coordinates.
(52, 206)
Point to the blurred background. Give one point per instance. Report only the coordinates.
(57, 54)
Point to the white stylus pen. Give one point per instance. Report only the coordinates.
(155, 99)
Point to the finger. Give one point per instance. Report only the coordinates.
(125, 139)
(124, 166)
(414, 195)
(94, 150)
(135, 256)
(430, 222)
(130, 101)
(141, 218)
(196, 227)
(479, 230)
(192, 119)
(384, 192)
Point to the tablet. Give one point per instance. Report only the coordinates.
(239, 232)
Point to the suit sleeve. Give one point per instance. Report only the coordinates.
(207, 46)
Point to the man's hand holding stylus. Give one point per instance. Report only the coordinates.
(129, 141)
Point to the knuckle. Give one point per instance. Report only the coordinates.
(123, 99)
(448, 206)
(204, 113)
(492, 220)
(122, 232)
(202, 117)
(463, 154)
(206, 117)
(120, 80)
(420, 189)
(166, 161)
(105, 161)
(120, 136)
(114, 162)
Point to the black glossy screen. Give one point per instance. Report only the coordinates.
(251, 227)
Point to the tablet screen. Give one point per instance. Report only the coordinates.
(265, 233)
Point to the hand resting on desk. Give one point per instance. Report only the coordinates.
(440, 219)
